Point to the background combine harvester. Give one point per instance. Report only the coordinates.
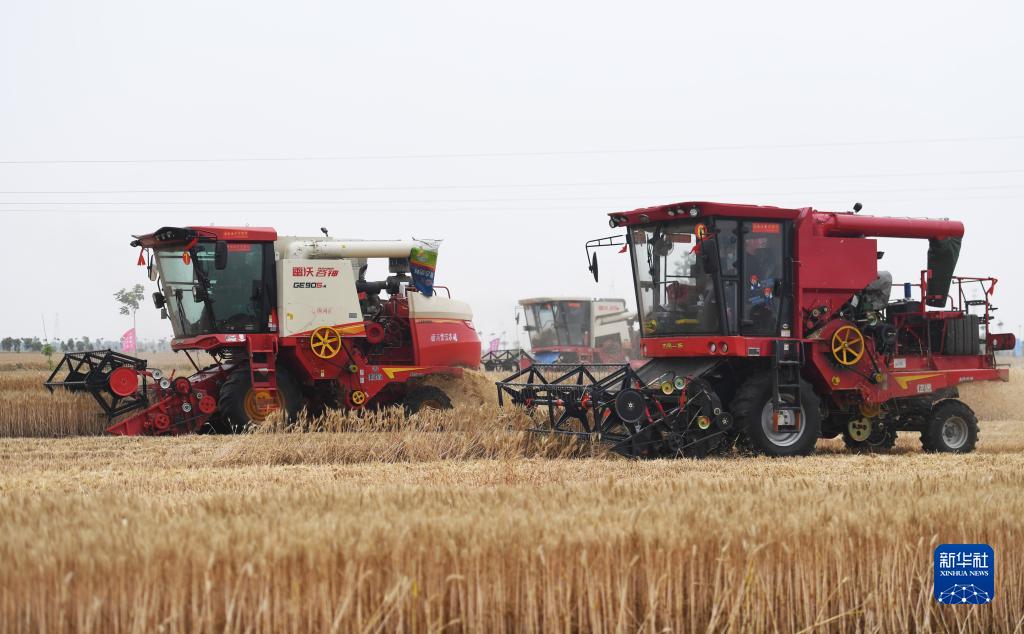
(290, 322)
(570, 330)
(768, 328)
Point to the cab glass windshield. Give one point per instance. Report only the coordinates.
(675, 291)
(202, 300)
(558, 323)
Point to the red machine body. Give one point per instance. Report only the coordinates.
(767, 328)
(226, 290)
(834, 256)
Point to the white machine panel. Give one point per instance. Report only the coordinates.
(315, 293)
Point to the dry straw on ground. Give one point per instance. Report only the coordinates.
(210, 534)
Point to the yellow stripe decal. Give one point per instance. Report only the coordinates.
(391, 372)
(906, 380)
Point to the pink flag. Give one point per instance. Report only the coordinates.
(128, 341)
(494, 344)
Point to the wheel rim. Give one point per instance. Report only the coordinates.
(780, 438)
(955, 432)
(259, 404)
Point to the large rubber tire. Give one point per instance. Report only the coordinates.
(962, 336)
(748, 407)
(880, 440)
(425, 397)
(952, 428)
(231, 404)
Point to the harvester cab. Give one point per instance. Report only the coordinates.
(290, 322)
(567, 331)
(767, 328)
(579, 330)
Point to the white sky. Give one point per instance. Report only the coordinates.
(129, 81)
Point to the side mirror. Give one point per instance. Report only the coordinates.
(220, 255)
(159, 300)
(593, 265)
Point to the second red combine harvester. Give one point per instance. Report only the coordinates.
(290, 323)
(767, 328)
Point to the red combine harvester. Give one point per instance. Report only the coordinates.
(768, 328)
(290, 322)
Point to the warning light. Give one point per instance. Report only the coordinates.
(142, 257)
(186, 258)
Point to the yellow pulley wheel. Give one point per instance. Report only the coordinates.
(358, 397)
(325, 342)
(848, 345)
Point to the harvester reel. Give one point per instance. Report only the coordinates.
(325, 342)
(848, 346)
(112, 378)
(636, 417)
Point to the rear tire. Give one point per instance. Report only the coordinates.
(952, 428)
(425, 397)
(752, 404)
(237, 401)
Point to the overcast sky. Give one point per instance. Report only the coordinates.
(509, 130)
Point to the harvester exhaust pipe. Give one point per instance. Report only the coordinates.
(111, 377)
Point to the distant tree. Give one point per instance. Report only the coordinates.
(26, 344)
(130, 300)
(86, 344)
(15, 345)
(48, 353)
(36, 345)
(6, 344)
(69, 345)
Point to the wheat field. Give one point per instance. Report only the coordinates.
(462, 522)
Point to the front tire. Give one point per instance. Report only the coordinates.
(754, 412)
(952, 428)
(240, 406)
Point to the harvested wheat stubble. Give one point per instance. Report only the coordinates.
(112, 534)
